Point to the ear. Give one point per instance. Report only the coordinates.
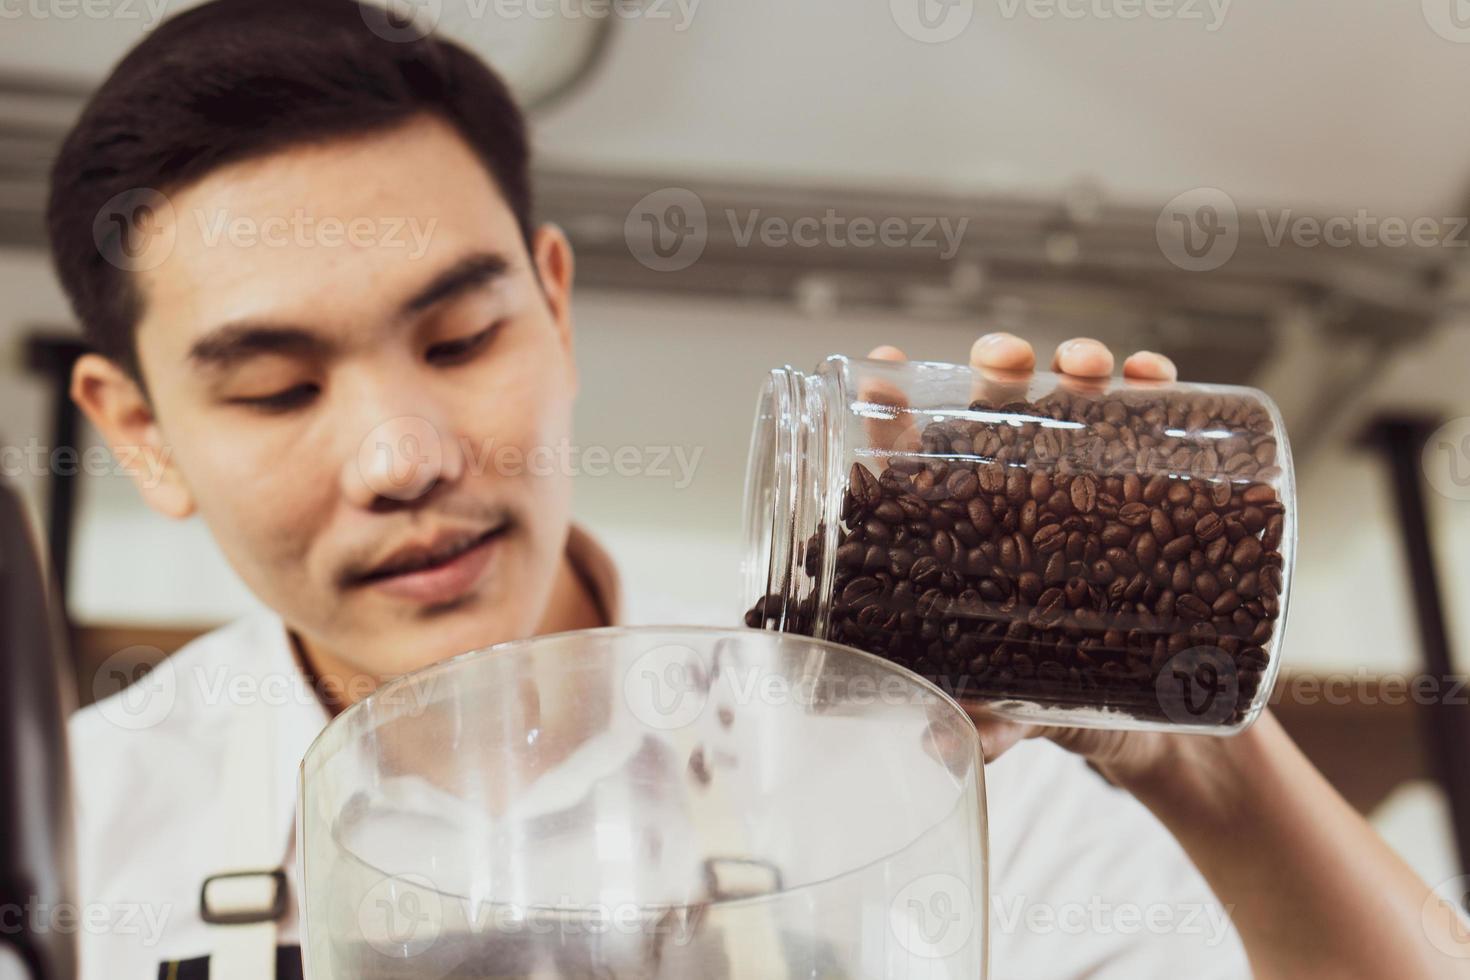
(115, 404)
(554, 265)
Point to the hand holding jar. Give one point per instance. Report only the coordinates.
(1312, 889)
(1061, 550)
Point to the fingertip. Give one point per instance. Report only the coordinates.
(887, 352)
(1147, 365)
(1083, 357)
(1004, 352)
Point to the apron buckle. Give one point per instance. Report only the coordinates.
(243, 898)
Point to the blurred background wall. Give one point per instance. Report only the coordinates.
(1162, 175)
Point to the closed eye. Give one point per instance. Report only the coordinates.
(283, 401)
(452, 352)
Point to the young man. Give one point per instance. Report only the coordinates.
(311, 402)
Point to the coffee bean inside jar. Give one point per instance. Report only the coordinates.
(1115, 557)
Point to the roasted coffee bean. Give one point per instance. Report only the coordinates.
(925, 572)
(1209, 527)
(1084, 493)
(1160, 525)
(962, 484)
(1018, 487)
(1134, 514)
(863, 486)
(1226, 603)
(933, 604)
(944, 546)
(1026, 523)
(1247, 554)
(877, 530)
(1030, 585)
(1178, 548)
(1271, 539)
(1193, 607)
(980, 516)
(860, 591)
(889, 512)
(1121, 561)
(1207, 587)
(1049, 539)
(1050, 608)
(1258, 494)
(850, 555)
(1146, 549)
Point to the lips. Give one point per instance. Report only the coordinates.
(438, 572)
(416, 558)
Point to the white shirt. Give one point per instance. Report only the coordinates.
(1084, 881)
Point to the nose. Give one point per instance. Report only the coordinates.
(406, 454)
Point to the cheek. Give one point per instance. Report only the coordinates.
(524, 417)
(259, 495)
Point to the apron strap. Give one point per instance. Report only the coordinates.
(245, 900)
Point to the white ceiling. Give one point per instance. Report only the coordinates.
(1331, 105)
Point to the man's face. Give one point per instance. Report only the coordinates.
(353, 364)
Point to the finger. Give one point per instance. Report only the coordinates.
(1003, 364)
(950, 741)
(1083, 357)
(1002, 352)
(1147, 365)
(997, 735)
(998, 738)
(896, 433)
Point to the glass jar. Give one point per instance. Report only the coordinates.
(650, 803)
(1102, 554)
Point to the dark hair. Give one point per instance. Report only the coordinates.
(236, 79)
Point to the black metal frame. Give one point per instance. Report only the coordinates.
(1400, 441)
(53, 357)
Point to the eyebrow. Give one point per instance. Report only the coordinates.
(236, 342)
(468, 274)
